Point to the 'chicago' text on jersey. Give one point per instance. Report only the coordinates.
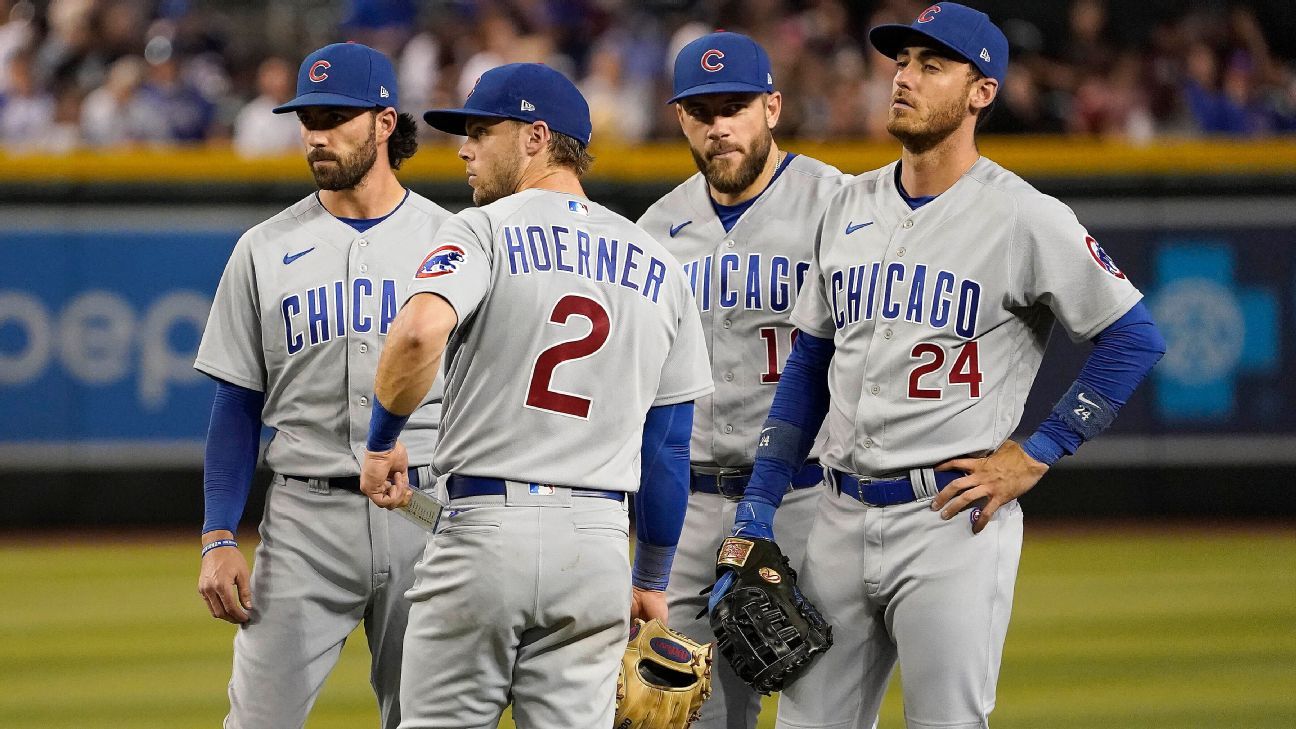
(748, 281)
(895, 290)
(602, 259)
(330, 311)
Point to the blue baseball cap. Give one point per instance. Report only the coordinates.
(720, 63)
(969, 33)
(526, 92)
(344, 74)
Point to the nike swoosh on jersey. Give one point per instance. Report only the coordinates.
(1081, 397)
(851, 227)
(677, 228)
(289, 258)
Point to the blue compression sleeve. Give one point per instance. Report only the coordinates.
(1122, 356)
(663, 493)
(233, 439)
(800, 404)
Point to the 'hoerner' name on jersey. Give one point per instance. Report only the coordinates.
(538, 249)
(917, 294)
(749, 281)
(319, 314)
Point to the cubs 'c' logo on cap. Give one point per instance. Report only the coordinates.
(711, 60)
(1102, 258)
(929, 14)
(440, 262)
(317, 70)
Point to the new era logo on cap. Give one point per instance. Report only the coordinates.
(382, 92)
(527, 106)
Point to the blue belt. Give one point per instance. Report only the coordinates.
(350, 483)
(732, 486)
(886, 492)
(461, 487)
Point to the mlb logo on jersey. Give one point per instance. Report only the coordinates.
(440, 262)
(578, 207)
(541, 489)
(1101, 257)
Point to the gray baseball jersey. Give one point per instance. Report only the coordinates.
(572, 323)
(300, 314)
(745, 282)
(940, 315)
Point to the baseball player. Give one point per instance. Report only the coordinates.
(935, 283)
(742, 227)
(574, 354)
(301, 313)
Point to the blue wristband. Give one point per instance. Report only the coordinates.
(384, 428)
(209, 546)
(652, 566)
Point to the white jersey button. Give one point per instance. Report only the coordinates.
(907, 224)
(728, 429)
(728, 377)
(363, 348)
(868, 442)
(364, 268)
(875, 389)
(886, 334)
(364, 400)
(900, 252)
(729, 244)
(727, 323)
(363, 243)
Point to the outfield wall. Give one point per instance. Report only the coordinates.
(107, 275)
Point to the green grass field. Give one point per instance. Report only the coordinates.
(1140, 629)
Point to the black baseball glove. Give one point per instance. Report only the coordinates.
(763, 625)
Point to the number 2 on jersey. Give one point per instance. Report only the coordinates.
(966, 370)
(539, 395)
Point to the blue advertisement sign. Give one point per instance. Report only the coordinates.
(98, 331)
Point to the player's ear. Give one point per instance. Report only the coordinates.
(537, 138)
(773, 108)
(384, 124)
(982, 93)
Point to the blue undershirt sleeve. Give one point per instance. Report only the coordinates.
(230, 458)
(800, 404)
(663, 493)
(1122, 356)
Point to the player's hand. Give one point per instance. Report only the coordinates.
(647, 604)
(384, 477)
(997, 479)
(225, 582)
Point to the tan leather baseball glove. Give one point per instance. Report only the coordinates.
(664, 679)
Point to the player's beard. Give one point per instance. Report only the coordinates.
(498, 179)
(348, 171)
(919, 135)
(733, 179)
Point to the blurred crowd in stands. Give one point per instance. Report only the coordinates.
(80, 74)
